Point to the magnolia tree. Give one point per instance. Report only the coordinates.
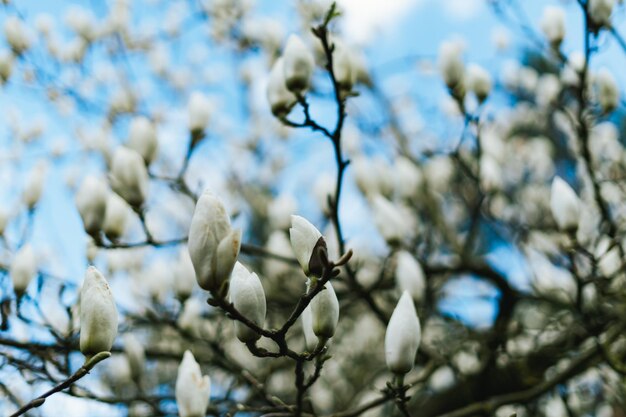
(291, 241)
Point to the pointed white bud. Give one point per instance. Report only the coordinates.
(190, 319)
(142, 137)
(600, 11)
(306, 242)
(213, 245)
(297, 65)
(199, 110)
(565, 205)
(6, 65)
(248, 297)
(91, 201)
(388, 219)
(280, 98)
(115, 217)
(403, 336)
(185, 276)
(5, 216)
(129, 176)
(98, 314)
(451, 64)
(553, 25)
(410, 275)
(16, 34)
(135, 355)
(478, 81)
(343, 66)
(408, 177)
(310, 340)
(192, 389)
(23, 268)
(325, 312)
(34, 185)
(606, 90)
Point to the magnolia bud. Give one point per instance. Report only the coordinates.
(248, 297)
(34, 185)
(192, 389)
(129, 177)
(478, 81)
(310, 340)
(408, 177)
(565, 205)
(142, 137)
(343, 66)
(403, 336)
(297, 65)
(98, 314)
(280, 98)
(451, 66)
(388, 219)
(213, 244)
(4, 220)
(91, 200)
(23, 269)
(325, 312)
(115, 216)
(307, 243)
(410, 275)
(135, 355)
(607, 90)
(185, 276)
(553, 25)
(16, 34)
(199, 110)
(600, 11)
(190, 319)
(6, 65)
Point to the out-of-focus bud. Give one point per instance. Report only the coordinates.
(307, 243)
(403, 336)
(280, 98)
(310, 340)
(600, 11)
(135, 355)
(343, 66)
(199, 111)
(98, 314)
(23, 269)
(548, 90)
(553, 25)
(478, 81)
(190, 319)
(91, 200)
(185, 276)
(565, 205)
(248, 297)
(388, 219)
(408, 177)
(280, 209)
(129, 176)
(606, 90)
(213, 244)
(4, 220)
(298, 65)
(325, 313)
(115, 216)
(452, 67)
(34, 185)
(410, 275)
(6, 65)
(192, 389)
(142, 137)
(490, 174)
(16, 34)
(81, 21)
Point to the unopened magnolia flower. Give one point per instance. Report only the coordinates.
(607, 90)
(23, 269)
(389, 220)
(135, 355)
(4, 220)
(553, 25)
(565, 205)
(478, 81)
(600, 11)
(248, 297)
(16, 34)
(192, 389)
(91, 200)
(325, 312)
(280, 209)
(307, 242)
(410, 275)
(142, 137)
(343, 66)
(34, 185)
(280, 98)
(310, 339)
(98, 314)
(213, 244)
(190, 319)
(115, 216)
(297, 65)
(408, 177)
(403, 336)
(184, 275)
(451, 65)
(6, 65)
(199, 111)
(129, 176)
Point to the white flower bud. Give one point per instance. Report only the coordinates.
(388, 219)
(192, 389)
(248, 297)
(478, 81)
(185, 275)
(553, 25)
(213, 244)
(310, 340)
(297, 65)
(129, 176)
(565, 205)
(408, 177)
(115, 217)
(410, 275)
(135, 355)
(403, 336)
(199, 110)
(451, 65)
(343, 66)
(600, 11)
(23, 269)
(4, 220)
(190, 319)
(91, 200)
(280, 98)
(325, 312)
(34, 185)
(606, 90)
(280, 209)
(16, 34)
(306, 242)
(98, 314)
(142, 137)
(6, 65)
